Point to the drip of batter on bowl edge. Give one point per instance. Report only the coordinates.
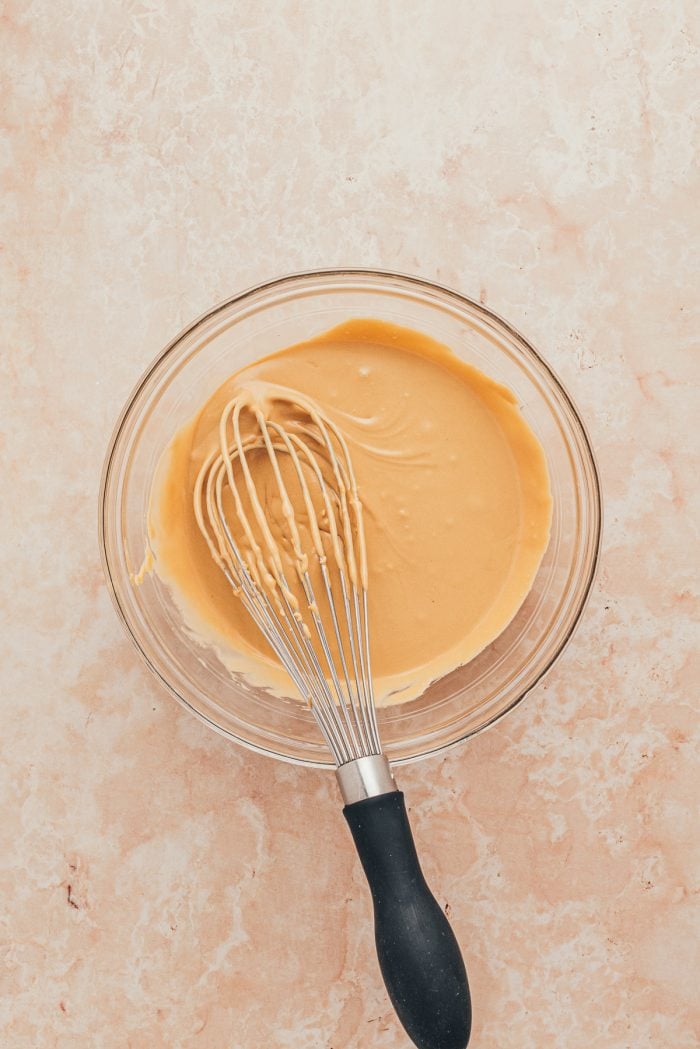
(454, 490)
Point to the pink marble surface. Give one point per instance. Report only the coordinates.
(159, 887)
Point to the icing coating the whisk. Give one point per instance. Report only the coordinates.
(319, 633)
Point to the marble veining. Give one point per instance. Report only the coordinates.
(159, 887)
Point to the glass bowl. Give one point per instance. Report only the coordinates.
(268, 318)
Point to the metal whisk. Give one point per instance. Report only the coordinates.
(303, 579)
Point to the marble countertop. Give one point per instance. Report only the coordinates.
(160, 887)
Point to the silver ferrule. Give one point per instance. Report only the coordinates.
(365, 778)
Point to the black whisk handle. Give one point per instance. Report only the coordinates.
(418, 954)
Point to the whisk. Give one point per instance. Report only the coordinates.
(278, 505)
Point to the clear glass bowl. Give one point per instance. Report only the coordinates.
(273, 316)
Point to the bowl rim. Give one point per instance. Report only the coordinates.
(299, 277)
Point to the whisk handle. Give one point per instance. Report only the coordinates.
(418, 954)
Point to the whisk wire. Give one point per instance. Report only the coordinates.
(334, 679)
(281, 638)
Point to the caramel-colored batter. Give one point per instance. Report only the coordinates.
(454, 491)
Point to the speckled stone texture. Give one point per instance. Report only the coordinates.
(160, 888)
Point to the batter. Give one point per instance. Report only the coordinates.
(454, 491)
